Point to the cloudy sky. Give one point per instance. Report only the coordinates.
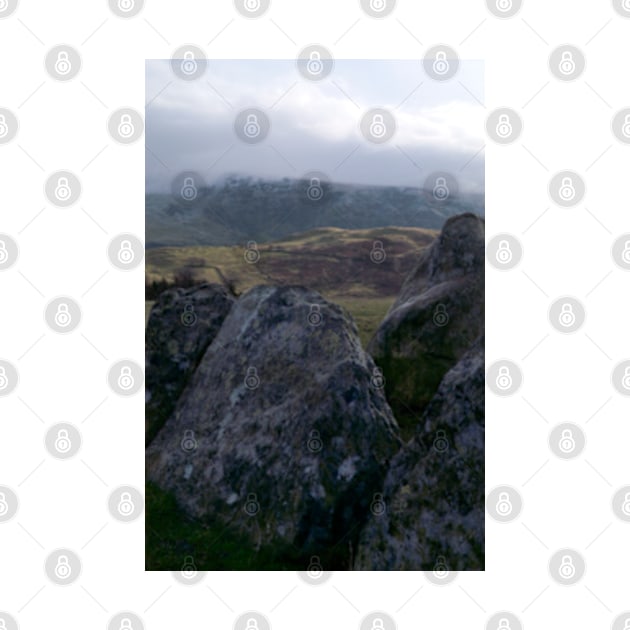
(315, 125)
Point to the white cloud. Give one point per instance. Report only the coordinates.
(314, 125)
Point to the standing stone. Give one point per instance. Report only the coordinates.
(434, 491)
(292, 432)
(181, 326)
(435, 319)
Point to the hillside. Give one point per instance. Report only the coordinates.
(242, 209)
(335, 262)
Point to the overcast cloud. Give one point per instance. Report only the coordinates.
(315, 125)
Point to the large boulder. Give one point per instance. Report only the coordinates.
(436, 317)
(181, 326)
(283, 434)
(434, 492)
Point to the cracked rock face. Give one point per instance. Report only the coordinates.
(434, 490)
(283, 432)
(435, 319)
(181, 326)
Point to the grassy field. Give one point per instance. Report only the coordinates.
(337, 263)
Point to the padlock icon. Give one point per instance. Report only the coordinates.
(125, 505)
(567, 189)
(377, 126)
(377, 624)
(377, 380)
(504, 5)
(4, 506)
(189, 442)
(252, 255)
(377, 255)
(626, 623)
(567, 63)
(440, 316)
(625, 381)
(567, 316)
(252, 126)
(62, 190)
(4, 129)
(63, 65)
(125, 126)
(315, 191)
(189, 190)
(504, 624)
(189, 317)
(63, 570)
(567, 441)
(440, 190)
(315, 569)
(440, 570)
(625, 506)
(252, 5)
(62, 442)
(189, 63)
(440, 443)
(125, 254)
(504, 378)
(62, 316)
(315, 443)
(567, 568)
(4, 254)
(440, 63)
(125, 624)
(504, 253)
(126, 5)
(4, 381)
(378, 507)
(189, 570)
(625, 255)
(251, 505)
(315, 315)
(126, 380)
(378, 5)
(252, 624)
(504, 504)
(504, 126)
(251, 379)
(625, 128)
(314, 64)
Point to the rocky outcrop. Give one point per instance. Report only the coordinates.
(181, 326)
(433, 495)
(437, 316)
(283, 433)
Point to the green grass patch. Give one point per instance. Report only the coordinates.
(171, 536)
(368, 313)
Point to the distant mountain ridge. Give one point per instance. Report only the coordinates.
(242, 209)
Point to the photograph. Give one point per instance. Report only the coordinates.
(314, 314)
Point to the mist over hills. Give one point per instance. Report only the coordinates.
(241, 209)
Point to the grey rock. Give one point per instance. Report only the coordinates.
(292, 434)
(435, 319)
(181, 325)
(434, 490)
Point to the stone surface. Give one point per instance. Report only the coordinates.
(434, 490)
(437, 316)
(181, 325)
(292, 435)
